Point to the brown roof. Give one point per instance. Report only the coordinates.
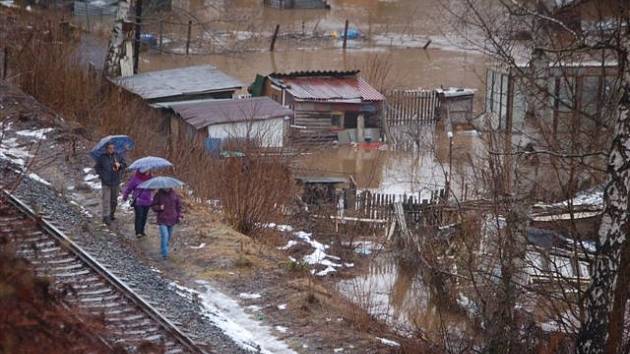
(331, 86)
(201, 114)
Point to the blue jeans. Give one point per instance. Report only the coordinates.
(166, 233)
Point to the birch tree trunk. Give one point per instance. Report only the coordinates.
(115, 50)
(614, 229)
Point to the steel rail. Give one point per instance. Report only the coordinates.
(65, 242)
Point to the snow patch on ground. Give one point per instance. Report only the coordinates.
(324, 272)
(389, 342)
(282, 307)
(590, 197)
(228, 315)
(18, 154)
(92, 181)
(319, 255)
(281, 329)
(37, 134)
(253, 308)
(281, 228)
(14, 152)
(202, 245)
(249, 296)
(37, 178)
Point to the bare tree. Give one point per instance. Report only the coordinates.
(506, 30)
(606, 292)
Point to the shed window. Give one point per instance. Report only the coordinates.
(336, 121)
(350, 120)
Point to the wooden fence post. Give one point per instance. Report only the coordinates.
(5, 63)
(345, 35)
(273, 39)
(161, 34)
(188, 37)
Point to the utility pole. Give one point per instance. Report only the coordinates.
(138, 31)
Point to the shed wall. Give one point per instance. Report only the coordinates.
(270, 132)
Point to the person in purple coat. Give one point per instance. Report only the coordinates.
(167, 205)
(141, 200)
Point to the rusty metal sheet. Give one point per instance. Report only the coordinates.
(333, 89)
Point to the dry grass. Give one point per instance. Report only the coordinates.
(46, 63)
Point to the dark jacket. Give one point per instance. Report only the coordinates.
(141, 196)
(172, 207)
(105, 169)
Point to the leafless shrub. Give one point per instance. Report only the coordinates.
(253, 190)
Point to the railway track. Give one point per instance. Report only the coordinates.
(131, 321)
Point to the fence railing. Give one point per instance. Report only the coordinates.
(379, 206)
(411, 106)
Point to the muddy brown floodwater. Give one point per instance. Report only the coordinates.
(403, 172)
(394, 31)
(410, 68)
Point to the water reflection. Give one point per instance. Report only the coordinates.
(398, 294)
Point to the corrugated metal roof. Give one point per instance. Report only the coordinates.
(191, 80)
(209, 112)
(347, 89)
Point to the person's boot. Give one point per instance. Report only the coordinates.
(106, 221)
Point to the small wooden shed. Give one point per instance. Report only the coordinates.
(329, 105)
